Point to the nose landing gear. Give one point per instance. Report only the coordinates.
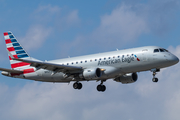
(155, 79)
(154, 74)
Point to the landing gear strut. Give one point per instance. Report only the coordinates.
(77, 85)
(154, 78)
(101, 87)
(154, 75)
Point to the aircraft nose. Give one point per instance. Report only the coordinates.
(174, 59)
(177, 60)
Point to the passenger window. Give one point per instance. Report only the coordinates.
(81, 62)
(67, 63)
(113, 56)
(104, 58)
(109, 57)
(118, 56)
(95, 59)
(156, 50)
(99, 58)
(72, 63)
(90, 60)
(76, 62)
(86, 61)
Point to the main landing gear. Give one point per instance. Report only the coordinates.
(154, 74)
(101, 87)
(77, 85)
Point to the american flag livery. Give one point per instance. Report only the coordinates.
(14, 47)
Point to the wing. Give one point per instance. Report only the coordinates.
(51, 66)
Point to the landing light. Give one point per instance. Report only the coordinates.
(103, 69)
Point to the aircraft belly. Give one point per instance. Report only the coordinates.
(32, 76)
(46, 76)
(135, 67)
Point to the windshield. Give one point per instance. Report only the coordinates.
(156, 50)
(160, 50)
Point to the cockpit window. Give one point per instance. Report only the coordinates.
(162, 50)
(156, 50)
(165, 50)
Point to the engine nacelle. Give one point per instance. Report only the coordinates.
(91, 73)
(128, 78)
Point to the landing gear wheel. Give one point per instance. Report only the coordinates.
(101, 88)
(77, 85)
(155, 79)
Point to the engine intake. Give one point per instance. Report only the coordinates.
(90, 74)
(128, 78)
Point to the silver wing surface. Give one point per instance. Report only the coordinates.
(51, 66)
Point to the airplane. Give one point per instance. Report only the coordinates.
(121, 65)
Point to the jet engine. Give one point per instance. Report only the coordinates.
(127, 78)
(90, 74)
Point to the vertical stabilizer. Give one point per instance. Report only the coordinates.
(14, 47)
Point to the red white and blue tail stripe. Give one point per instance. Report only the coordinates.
(14, 47)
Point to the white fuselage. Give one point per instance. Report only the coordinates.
(113, 64)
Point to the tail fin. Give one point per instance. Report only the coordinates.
(14, 47)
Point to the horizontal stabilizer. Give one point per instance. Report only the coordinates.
(11, 71)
